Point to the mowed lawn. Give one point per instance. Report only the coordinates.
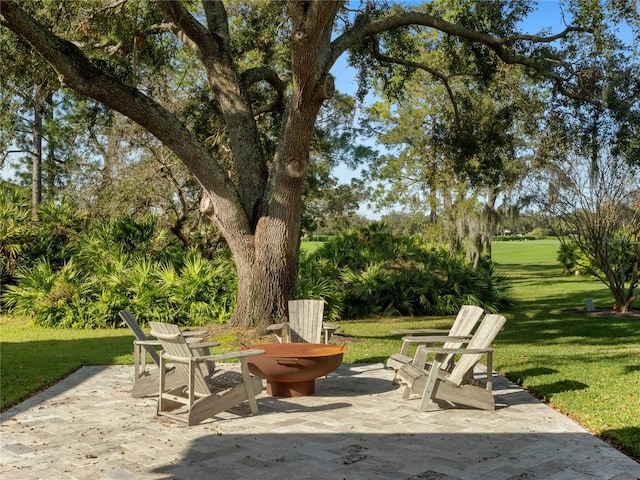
(585, 366)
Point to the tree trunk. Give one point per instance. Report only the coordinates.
(624, 298)
(267, 261)
(36, 169)
(269, 281)
(489, 223)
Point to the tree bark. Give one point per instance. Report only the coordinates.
(36, 165)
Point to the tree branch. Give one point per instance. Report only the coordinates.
(363, 29)
(311, 22)
(200, 39)
(213, 48)
(76, 70)
(254, 75)
(217, 20)
(375, 47)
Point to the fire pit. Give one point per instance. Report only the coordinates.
(291, 369)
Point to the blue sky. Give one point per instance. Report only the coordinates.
(547, 16)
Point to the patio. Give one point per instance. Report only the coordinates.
(356, 426)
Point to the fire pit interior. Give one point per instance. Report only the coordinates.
(292, 368)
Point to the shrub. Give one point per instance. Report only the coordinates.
(573, 260)
(118, 263)
(540, 232)
(514, 238)
(371, 272)
(53, 298)
(15, 215)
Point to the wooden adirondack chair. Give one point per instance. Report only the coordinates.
(305, 324)
(145, 381)
(458, 386)
(202, 396)
(466, 320)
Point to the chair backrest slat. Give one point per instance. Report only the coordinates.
(305, 320)
(482, 339)
(174, 344)
(466, 319)
(128, 318)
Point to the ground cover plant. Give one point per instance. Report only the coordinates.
(584, 365)
(370, 271)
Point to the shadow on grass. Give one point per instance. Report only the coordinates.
(371, 359)
(546, 391)
(518, 273)
(535, 324)
(519, 376)
(619, 437)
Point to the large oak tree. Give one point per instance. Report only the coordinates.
(253, 189)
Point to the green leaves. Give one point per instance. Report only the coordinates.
(80, 273)
(371, 272)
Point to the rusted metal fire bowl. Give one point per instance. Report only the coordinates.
(292, 368)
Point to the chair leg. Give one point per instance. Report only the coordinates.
(137, 372)
(161, 383)
(489, 378)
(431, 383)
(246, 380)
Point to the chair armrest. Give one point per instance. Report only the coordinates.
(457, 350)
(203, 345)
(195, 333)
(437, 339)
(330, 326)
(281, 331)
(146, 342)
(419, 331)
(230, 355)
(277, 326)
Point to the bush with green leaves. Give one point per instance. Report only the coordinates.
(191, 291)
(372, 272)
(573, 260)
(26, 240)
(15, 215)
(77, 273)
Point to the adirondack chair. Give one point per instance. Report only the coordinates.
(305, 324)
(458, 386)
(145, 381)
(466, 320)
(203, 396)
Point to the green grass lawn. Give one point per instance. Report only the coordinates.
(311, 247)
(32, 358)
(585, 366)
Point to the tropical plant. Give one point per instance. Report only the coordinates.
(372, 272)
(77, 273)
(49, 296)
(14, 230)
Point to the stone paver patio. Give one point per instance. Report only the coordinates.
(355, 427)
